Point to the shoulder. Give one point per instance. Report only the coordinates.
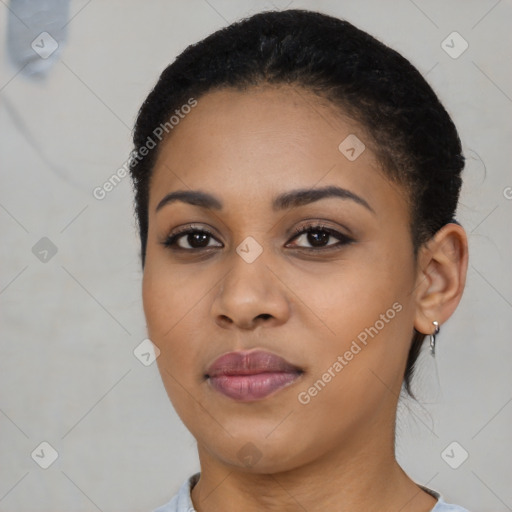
(441, 506)
(181, 502)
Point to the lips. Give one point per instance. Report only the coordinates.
(248, 376)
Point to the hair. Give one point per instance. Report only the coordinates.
(406, 126)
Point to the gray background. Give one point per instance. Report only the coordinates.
(68, 375)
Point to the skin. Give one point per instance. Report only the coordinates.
(337, 451)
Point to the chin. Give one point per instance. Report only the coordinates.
(257, 455)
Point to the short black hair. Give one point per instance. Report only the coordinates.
(407, 127)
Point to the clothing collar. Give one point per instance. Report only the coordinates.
(185, 499)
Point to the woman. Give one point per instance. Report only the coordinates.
(296, 183)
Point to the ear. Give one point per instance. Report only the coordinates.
(441, 276)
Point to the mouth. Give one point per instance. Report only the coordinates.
(250, 376)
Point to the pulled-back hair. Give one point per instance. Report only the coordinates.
(406, 126)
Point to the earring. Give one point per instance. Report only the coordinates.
(433, 339)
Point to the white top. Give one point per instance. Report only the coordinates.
(182, 501)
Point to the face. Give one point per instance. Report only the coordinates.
(295, 249)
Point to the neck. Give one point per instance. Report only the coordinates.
(361, 475)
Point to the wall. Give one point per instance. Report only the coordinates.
(71, 320)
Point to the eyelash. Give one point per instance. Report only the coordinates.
(316, 227)
(171, 240)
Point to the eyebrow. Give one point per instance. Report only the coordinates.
(285, 201)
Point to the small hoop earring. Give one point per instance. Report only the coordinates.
(433, 339)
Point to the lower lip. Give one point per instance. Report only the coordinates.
(248, 388)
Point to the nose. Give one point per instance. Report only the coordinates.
(251, 294)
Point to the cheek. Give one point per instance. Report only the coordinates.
(169, 296)
(355, 295)
(174, 306)
(358, 370)
(366, 306)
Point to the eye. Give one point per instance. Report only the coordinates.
(190, 238)
(320, 237)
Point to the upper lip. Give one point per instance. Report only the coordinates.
(249, 363)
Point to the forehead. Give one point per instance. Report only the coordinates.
(261, 141)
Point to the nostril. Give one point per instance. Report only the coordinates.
(265, 316)
(225, 319)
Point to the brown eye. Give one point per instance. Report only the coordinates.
(195, 240)
(190, 239)
(319, 237)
